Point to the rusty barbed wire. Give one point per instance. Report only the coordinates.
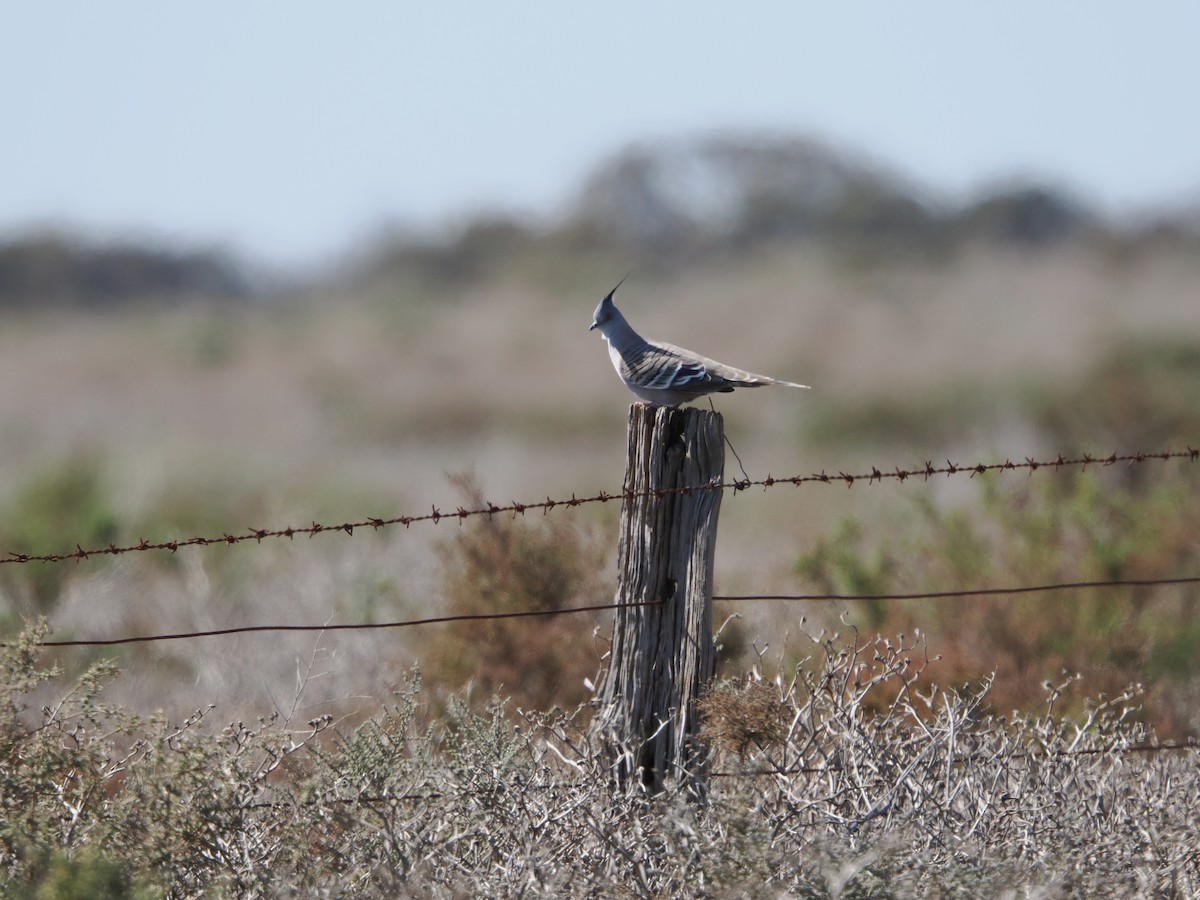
(460, 514)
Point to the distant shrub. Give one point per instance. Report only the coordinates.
(1141, 395)
(40, 270)
(497, 564)
(49, 514)
(1031, 215)
(738, 192)
(1042, 530)
(88, 875)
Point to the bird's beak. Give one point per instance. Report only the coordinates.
(593, 326)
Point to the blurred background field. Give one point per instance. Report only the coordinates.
(141, 403)
(158, 382)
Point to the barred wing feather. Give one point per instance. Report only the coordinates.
(665, 367)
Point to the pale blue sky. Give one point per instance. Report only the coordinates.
(292, 129)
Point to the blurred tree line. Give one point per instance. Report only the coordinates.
(52, 269)
(655, 206)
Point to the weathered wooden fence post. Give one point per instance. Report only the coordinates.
(663, 655)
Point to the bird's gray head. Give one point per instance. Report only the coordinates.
(607, 311)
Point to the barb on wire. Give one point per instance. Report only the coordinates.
(436, 515)
(370, 626)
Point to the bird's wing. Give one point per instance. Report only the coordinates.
(665, 367)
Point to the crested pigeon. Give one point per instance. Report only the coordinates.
(663, 374)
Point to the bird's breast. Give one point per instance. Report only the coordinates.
(615, 355)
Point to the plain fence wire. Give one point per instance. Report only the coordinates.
(971, 592)
(484, 617)
(460, 514)
(358, 626)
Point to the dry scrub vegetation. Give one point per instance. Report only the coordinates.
(1095, 525)
(1020, 325)
(849, 776)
